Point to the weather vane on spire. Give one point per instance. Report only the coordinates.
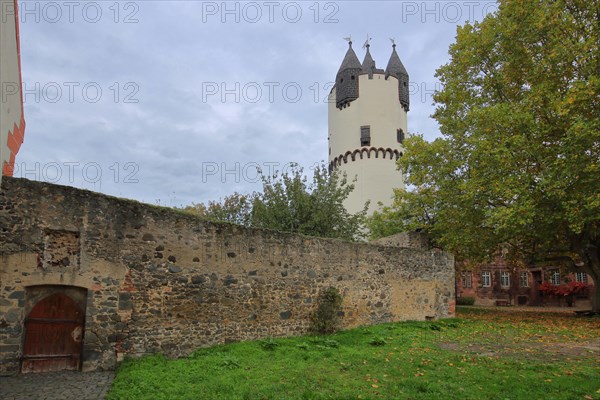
(367, 44)
(393, 42)
(348, 39)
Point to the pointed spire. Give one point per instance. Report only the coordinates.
(346, 80)
(350, 59)
(395, 66)
(368, 64)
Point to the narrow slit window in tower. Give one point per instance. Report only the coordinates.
(365, 135)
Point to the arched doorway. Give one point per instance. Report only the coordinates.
(53, 335)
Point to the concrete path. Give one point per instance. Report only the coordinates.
(66, 385)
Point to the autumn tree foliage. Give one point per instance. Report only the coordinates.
(564, 290)
(289, 202)
(518, 163)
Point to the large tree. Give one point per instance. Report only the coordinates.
(290, 203)
(518, 163)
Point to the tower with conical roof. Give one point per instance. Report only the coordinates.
(367, 124)
(396, 69)
(346, 87)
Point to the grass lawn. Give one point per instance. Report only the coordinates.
(481, 354)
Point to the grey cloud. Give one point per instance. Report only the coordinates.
(168, 142)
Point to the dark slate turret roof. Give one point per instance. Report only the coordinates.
(368, 65)
(395, 66)
(350, 60)
(397, 70)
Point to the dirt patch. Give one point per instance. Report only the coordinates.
(532, 350)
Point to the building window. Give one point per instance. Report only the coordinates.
(555, 278)
(524, 279)
(463, 278)
(581, 277)
(504, 279)
(400, 136)
(365, 135)
(486, 279)
(469, 279)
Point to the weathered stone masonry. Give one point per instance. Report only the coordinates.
(153, 279)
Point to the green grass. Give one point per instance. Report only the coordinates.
(480, 355)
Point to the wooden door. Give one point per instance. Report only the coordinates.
(53, 335)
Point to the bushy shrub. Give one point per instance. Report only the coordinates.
(465, 301)
(568, 289)
(303, 346)
(269, 344)
(230, 362)
(377, 341)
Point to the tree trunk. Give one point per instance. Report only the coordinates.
(588, 247)
(596, 297)
(593, 270)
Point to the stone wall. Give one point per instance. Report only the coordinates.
(153, 279)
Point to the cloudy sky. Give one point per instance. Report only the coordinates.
(174, 102)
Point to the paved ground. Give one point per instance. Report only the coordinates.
(66, 385)
(565, 310)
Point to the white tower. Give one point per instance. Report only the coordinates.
(367, 125)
